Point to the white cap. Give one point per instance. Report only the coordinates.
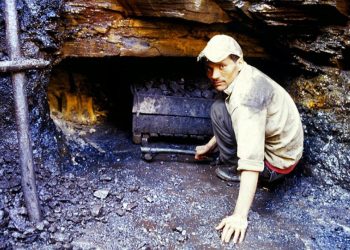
(219, 48)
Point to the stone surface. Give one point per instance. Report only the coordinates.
(299, 31)
(324, 102)
(311, 36)
(101, 28)
(204, 11)
(190, 201)
(39, 39)
(101, 193)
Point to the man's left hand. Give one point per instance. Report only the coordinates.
(233, 225)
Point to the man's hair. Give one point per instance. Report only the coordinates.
(234, 58)
(204, 60)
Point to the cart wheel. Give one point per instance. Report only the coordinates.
(148, 157)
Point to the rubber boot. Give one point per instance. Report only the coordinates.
(227, 174)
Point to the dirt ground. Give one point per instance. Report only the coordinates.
(169, 203)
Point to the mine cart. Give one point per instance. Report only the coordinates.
(157, 115)
(171, 116)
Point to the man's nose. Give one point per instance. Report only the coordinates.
(216, 73)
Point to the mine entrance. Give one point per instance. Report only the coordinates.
(116, 101)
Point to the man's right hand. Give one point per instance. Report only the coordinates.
(203, 150)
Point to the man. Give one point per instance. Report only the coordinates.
(256, 121)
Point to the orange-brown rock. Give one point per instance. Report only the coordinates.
(312, 34)
(103, 28)
(204, 11)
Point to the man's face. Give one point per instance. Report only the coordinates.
(223, 73)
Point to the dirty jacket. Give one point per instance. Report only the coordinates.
(265, 120)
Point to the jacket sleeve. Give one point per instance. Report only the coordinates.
(249, 126)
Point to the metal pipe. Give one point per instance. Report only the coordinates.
(148, 150)
(20, 65)
(21, 106)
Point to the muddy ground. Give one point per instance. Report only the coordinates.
(169, 203)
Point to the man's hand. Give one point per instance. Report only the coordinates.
(237, 223)
(203, 150)
(233, 225)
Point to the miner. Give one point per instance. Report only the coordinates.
(256, 125)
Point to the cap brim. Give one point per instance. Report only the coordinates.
(212, 56)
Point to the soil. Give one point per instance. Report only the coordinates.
(171, 202)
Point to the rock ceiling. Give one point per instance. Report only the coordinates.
(314, 34)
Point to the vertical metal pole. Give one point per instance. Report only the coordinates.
(21, 107)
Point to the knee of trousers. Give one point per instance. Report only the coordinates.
(217, 110)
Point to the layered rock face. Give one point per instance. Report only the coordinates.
(313, 34)
(311, 37)
(145, 28)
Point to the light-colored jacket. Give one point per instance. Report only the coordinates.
(266, 121)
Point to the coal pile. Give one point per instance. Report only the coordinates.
(173, 108)
(179, 88)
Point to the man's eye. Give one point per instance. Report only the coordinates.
(222, 66)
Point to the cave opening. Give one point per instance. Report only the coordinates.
(93, 97)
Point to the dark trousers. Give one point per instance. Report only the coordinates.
(226, 140)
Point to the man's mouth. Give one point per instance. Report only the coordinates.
(216, 83)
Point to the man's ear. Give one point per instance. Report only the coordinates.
(240, 63)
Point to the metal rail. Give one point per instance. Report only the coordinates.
(148, 152)
(167, 150)
(16, 64)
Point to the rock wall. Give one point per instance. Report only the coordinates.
(325, 104)
(39, 39)
(312, 36)
(145, 28)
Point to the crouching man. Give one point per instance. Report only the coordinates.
(256, 122)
